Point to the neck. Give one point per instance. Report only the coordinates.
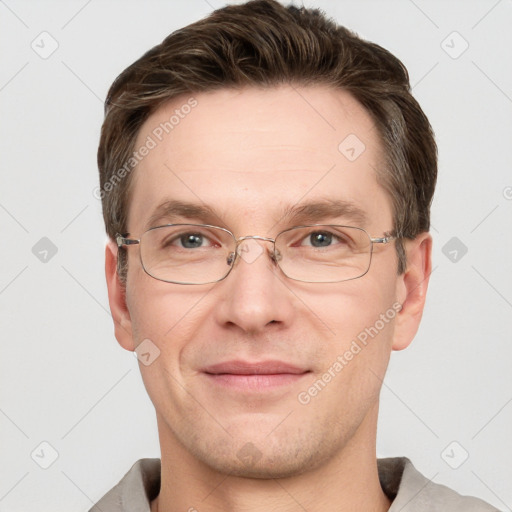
(347, 482)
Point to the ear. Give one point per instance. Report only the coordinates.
(412, 289)
(117, 299)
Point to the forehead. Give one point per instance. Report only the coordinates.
(251, 154)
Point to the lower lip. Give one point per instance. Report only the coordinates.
(260, 382)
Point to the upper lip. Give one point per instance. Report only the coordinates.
(238, 367)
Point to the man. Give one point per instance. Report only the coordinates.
(266, 180)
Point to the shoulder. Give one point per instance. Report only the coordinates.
(413, 492)
(134, 491)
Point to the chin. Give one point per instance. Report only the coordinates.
(270, 456)
(267, 467)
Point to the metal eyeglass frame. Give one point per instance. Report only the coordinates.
(122, 240)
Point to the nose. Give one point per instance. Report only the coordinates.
(255, 293)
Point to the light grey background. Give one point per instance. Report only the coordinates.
(64, 379)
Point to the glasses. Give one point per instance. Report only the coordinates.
(203, 254)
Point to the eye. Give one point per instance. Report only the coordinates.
(324, 239)
(191, 240)
(188, 240)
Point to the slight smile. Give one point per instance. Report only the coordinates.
(256, 376)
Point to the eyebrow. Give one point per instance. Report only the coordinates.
(321, 210)
(172, 209)
(305, 213)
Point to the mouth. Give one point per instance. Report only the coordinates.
(257, 376)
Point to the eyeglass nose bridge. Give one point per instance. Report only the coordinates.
(275, 255)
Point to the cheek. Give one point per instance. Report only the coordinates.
(167, 314)
(355, 357)
(353, 306)
(165, 322)
(361, 325)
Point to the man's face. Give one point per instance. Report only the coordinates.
(249, 155)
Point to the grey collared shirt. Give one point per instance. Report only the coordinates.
(408, 489)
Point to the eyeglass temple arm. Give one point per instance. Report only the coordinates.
(383, 240)
(121, 240)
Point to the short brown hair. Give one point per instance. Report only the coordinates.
(262, 44)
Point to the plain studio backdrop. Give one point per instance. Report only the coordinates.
(74, 415)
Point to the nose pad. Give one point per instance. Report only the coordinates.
(250, 250)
